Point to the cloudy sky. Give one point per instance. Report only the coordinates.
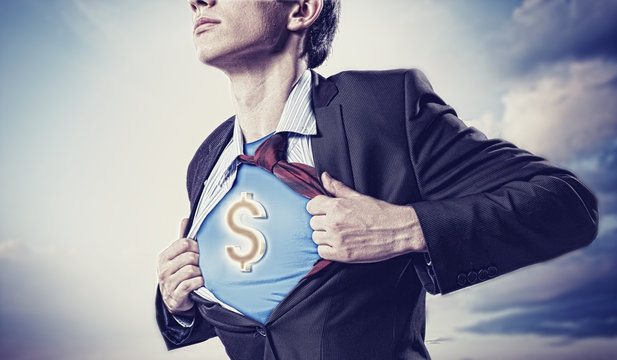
(102, 105)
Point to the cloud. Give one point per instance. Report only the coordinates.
(567, 113)
(599, 172)
(12, 249)
(572, 297)
(587, 311)
(438, 340)
(550, 31)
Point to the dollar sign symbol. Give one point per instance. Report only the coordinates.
(256, 238)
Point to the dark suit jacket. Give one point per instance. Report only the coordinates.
(485, 207)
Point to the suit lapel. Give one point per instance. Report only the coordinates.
(330, 148)
(206, 163)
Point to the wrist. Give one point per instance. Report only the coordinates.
(413, 238)
(185, 312)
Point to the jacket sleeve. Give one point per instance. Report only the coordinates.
(176, 335)
(487, 207)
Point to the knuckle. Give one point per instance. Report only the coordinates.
(172, 303)
(185, 287)
(183, 272)
(196, 271)
(184, 244)
(337, 219)
(337, 205)
(163, 274)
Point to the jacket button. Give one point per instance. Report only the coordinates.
(492, 271)
(461, 279)
(472, 277)
(261, 331)
(482, 275)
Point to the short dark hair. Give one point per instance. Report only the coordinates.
(319, 36)
(318, 40)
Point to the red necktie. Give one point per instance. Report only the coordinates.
(301, 178)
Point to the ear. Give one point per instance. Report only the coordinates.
(304, 14)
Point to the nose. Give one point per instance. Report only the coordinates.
(196, 5)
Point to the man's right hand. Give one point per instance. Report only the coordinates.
(179, 273)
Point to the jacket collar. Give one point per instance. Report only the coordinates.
(324, 90)
(330, 148)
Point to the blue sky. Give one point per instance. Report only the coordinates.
(102, 105)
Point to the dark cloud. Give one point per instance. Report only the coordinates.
(551, 31)
(587, 311)
(599, 173)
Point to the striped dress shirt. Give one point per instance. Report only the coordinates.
(297, 118)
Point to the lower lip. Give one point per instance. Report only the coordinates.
(204, 27)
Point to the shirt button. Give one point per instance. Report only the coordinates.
(261, 331)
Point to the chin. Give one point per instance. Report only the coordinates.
(206, 56)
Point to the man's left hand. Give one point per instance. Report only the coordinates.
(355, 228)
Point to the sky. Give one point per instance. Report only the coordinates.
(102, 105)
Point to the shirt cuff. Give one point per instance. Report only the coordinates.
(185, 321)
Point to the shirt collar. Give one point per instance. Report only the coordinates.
(297, 117)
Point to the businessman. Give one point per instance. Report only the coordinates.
(325, 209)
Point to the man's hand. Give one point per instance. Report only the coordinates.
(179, 273)
(355, 228)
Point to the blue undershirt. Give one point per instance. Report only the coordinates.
(289, 252)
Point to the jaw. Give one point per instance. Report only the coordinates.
(255, 55)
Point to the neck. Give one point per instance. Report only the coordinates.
(260, 91)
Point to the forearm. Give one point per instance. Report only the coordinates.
(403, 232)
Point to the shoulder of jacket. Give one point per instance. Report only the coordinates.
(413, 79)
(412, 82)
(379, 75)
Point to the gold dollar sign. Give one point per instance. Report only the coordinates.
(256, 238)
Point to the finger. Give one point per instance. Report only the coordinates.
(326, 252)
(188, 285)
(180, 261)
(185, 273)
(318, 223)
(335, 187)
(320, 238)
(318, 205)
(183, 225)
(178, 247)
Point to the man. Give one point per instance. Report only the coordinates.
(404, 199)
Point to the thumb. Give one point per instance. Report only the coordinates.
(183, 225)
(335, 187)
